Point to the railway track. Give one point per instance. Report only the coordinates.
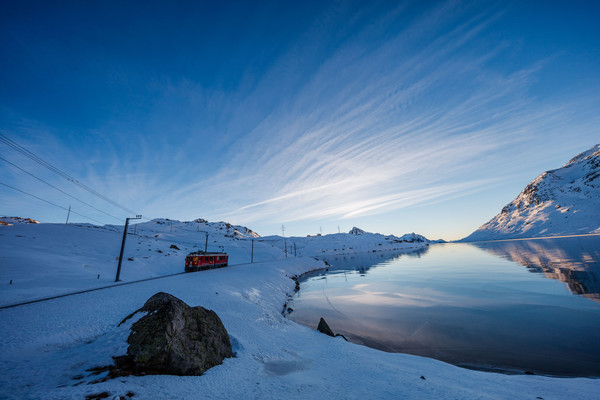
(87, 291)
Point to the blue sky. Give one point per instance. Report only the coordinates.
(391, 116)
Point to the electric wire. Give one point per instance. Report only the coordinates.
(49, 202)
(57, 171)
(60, 190)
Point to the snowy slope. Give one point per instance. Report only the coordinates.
(355, 241)
(51, 259)
(47, 349)
(563, 201)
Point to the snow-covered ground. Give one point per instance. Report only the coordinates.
(51, 259)
(47, 348)
(564, 201)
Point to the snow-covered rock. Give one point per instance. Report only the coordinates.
(356, 231)
(17, 220)
(563, 201)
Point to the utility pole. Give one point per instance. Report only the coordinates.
(123, 245)
(252, 252)
(206, 239)
(285, 244)
(69, 213)
(295, 250)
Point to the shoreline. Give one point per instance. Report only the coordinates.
(275, 357)
(476, 365)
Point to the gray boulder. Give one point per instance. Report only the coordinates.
(174, 339)
(324, 328)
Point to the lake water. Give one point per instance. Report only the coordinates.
(511, 306)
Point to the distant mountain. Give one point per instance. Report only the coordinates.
(409, 237)
(414, 237)
(564, 201)
(355, 241)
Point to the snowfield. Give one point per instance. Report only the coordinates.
(47, 348)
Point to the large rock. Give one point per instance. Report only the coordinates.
(324, 328)
(175, 339)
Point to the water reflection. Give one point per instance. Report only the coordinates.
(574, 260)
(363, 262)
(471, 305)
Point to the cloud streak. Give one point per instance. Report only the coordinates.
(366, 144)
(358, 111)
(378, 128)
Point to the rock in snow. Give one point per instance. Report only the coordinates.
(356, 231)
(175, 339)
(324, 328)
(564, 201)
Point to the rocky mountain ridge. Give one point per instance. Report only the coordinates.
(563, 201)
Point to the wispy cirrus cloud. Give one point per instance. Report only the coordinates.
(381, 127)
(354, 111)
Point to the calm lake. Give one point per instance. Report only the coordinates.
(511, 306)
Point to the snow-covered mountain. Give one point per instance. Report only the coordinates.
(414, 237)
(355, 241)
(563, 201)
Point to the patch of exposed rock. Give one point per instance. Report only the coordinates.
(174, 339)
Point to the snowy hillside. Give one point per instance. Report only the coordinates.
(564, 201)
(51, 259)
(355, 241)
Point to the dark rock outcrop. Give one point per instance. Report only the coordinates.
(174, 339)
(356, 231)
(324, 328)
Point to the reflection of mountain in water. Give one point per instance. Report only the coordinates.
(573, 260)
(362, 262)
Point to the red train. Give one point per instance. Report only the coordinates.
(202, 260)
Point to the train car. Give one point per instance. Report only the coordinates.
(202, 260)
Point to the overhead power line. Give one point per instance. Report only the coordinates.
(60, 190)
(57, 171)
(49, 202)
